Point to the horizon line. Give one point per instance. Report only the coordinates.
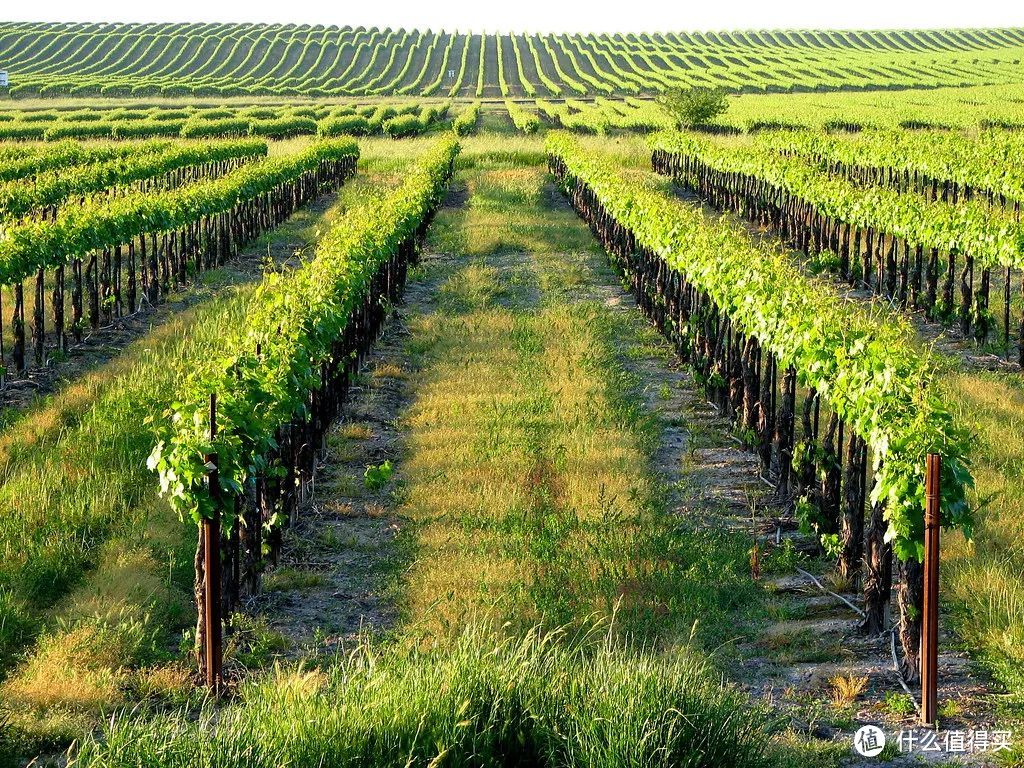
(660, 31)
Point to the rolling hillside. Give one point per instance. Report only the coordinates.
(213, 59)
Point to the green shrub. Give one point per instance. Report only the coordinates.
(351, 125)
(465, 123)
(690, 107)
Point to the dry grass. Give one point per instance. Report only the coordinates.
(388, 371)
(84, 665)
(126, 579)
(354, 431)
(846, 689)
(169, 682)
(514, 447)
(76, 670)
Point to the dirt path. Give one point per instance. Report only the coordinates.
(330, 584)
(334, 580)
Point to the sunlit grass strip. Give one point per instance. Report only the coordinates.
(544, 699)
(74, 468)
(984, 578)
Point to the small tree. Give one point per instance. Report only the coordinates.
(690, 107)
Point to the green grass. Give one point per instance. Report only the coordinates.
(74, 470)
(542, 700)
(984, 578)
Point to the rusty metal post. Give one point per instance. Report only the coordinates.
(212, 566)
(930, 622)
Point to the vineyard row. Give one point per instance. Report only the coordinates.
(756, 331)
(286, 377)
(126, 60)
(138, 246)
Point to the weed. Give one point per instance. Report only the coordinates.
(846, 689)
(252, 643)
(898, 704)
(353, 431)
(785, 558)
(950, 708)
(292, 579)
(377, 476)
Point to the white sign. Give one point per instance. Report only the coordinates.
(4, 82)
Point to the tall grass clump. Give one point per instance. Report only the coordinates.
(542, 700)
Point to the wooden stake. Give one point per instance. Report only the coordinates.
(210, 531)
(930, 623)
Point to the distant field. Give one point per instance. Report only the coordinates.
(231, 59)
(60, 119)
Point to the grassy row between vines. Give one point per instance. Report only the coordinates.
(984, 578)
